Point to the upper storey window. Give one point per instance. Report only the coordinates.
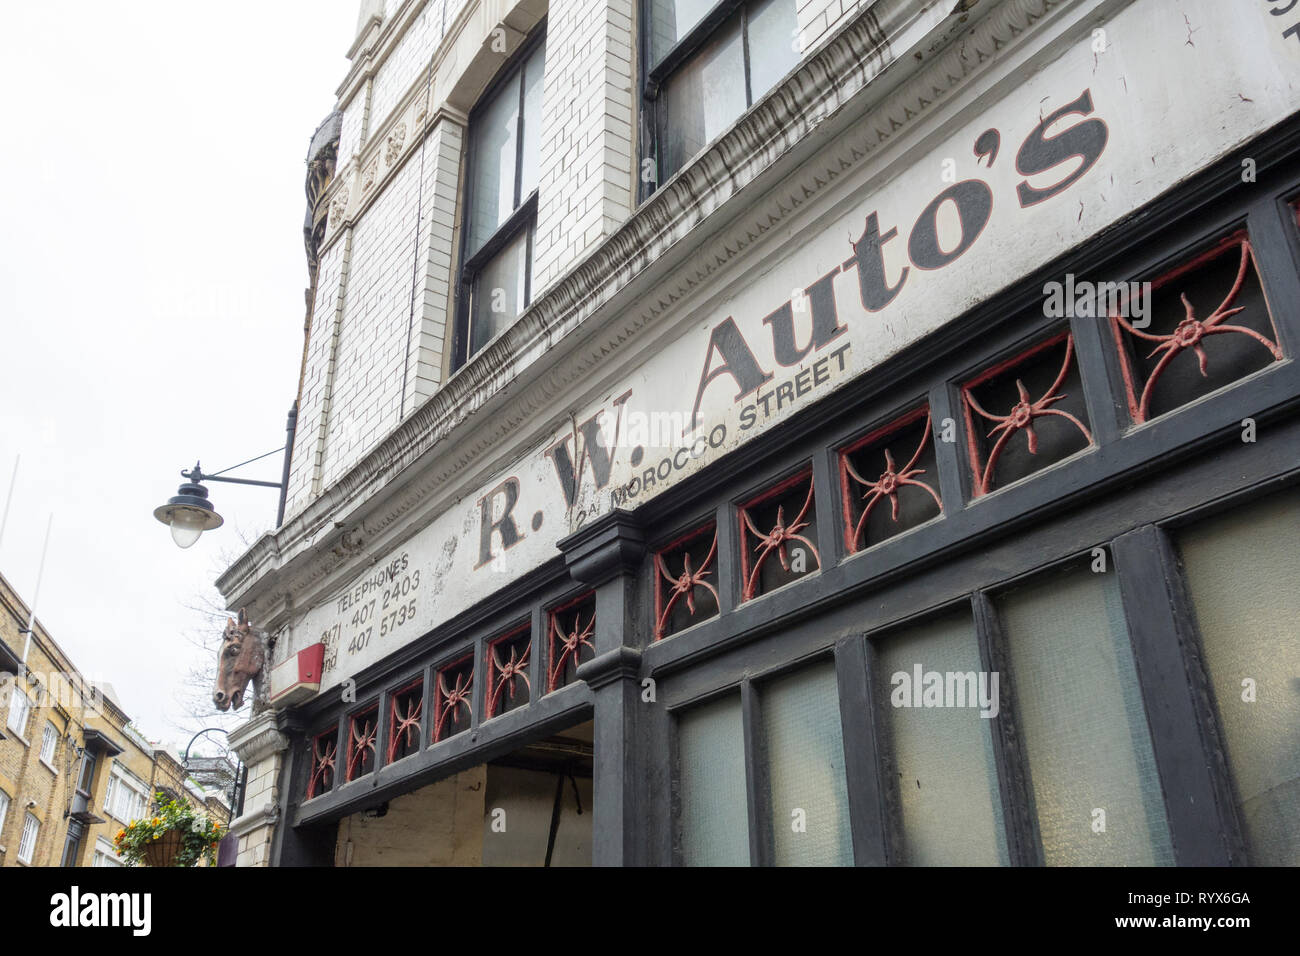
(709, 63)
(501, 202)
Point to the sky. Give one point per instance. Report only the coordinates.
(151, 306)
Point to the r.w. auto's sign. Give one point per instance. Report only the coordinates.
(874, 267)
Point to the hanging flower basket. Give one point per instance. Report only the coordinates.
(163, 849)
(175, 836)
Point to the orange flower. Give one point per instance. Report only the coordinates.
(155, 821)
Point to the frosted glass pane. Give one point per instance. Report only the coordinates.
(670, 20)
(498, 293)
(941, 758)
(1241, 572)
(714, 808)
(772, 31)
(704, 97)
(531, 154)
(1083, 723)
(805, 764)
(492, 176)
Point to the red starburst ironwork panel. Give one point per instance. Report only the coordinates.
(362, 730)
(870, 479)
(508, 686)
(453, 706)
(571, 636)
(1186, 346)
(778, 536)
(405, 707)
(1037, 394)
(324, 754)
(682, 595)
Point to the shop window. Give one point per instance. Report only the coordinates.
(682, 595)
(1082, 722)
(938, 762)
(778, 536)
(1207, 325)
(796, 787)
(507, 670)
(363, 727)
(570, 640)
(1240, 573)
(405, 707)
(803, 753)
(709, 63)
(324, 751)
(713, 821)
(501, 203)
(881, 497)
(453, 709)
(1025, 414)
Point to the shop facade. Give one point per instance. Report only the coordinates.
(902, 472)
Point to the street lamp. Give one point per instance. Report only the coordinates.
(189, 513)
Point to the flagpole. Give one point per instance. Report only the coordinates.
(40, 573)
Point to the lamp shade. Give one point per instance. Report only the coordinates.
(188, 514)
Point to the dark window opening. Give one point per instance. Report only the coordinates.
(503, 168)
(507, 672)
(683, 594)
(709, 63)
(778, 535)
(1024, 414)
(890, 481)
(453, 708)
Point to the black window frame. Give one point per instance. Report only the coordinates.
(523, 218)
(653, 123)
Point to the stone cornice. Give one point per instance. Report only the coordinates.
(908, 55)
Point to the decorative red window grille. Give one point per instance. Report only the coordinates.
(405, 707)
(453, 707)
(1182, 318)
(911, 499)
(508, 686)
(324, 750)
(1054, 424)
(362, 730)
(571, 637)
(682, 596)
(780, 522)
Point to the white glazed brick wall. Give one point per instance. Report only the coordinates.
(586, 187)
(366, 395)
(818, 19)
(408, 63)
(354, 124)
(434, 321)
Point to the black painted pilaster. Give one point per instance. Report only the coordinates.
(607, 555)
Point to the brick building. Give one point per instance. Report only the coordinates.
(792, 431)
(73, 770)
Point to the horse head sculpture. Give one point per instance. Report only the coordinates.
(240, 659)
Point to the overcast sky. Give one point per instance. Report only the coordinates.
(151, 303)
